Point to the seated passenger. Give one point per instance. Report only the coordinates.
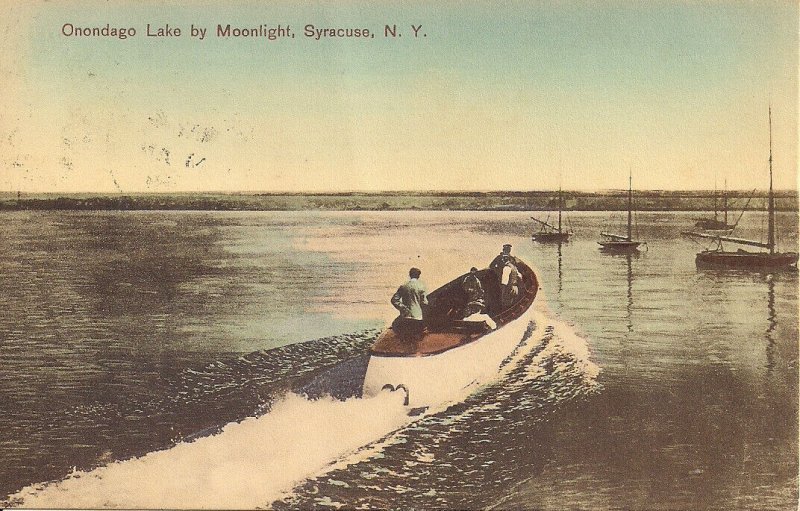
(476, 304)
(472, 287)
(474, 312)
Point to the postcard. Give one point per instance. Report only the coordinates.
(399, 255)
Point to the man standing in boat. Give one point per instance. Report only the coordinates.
(502, 258)
(509, 279)
(409, 299)
(510, 282)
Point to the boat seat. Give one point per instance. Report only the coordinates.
(459, 326)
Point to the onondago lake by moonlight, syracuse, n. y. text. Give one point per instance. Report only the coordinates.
(269, 32)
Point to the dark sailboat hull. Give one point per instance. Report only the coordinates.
(743, 259)
(709, 224)
(619, 246)
(550, 237)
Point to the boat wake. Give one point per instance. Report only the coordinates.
(466, 454)
(314, 449)
(246, 465)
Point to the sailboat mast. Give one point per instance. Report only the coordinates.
(715, 196)
(630, 204)
(771, 205)
(560, 205)
(725, 203)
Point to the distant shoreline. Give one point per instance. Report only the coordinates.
(785, 200)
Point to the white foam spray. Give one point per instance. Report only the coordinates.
(565, 340)
(248, 464)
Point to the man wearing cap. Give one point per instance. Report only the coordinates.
(409, 299)
(510, 280)
(500, 261)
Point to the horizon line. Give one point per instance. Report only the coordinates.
(383, 192)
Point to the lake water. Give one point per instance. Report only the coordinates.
(148, 360)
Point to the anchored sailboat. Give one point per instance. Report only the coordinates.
(550, 233)
(719, 258)
(617, 242)
(715, 224)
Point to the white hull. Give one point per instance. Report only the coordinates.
(436, 379)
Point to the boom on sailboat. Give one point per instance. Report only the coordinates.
(552, 233)
(743, 259)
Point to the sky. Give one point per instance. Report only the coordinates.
(499, 96)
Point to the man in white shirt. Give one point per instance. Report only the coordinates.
(409, 299)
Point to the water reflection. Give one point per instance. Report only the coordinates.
(560, 275)
(731, 288)
(629, 305)
(772, 324)
(628, 257)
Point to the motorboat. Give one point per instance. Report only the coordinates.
(450, 354)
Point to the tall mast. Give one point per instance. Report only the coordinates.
(630, 202)
(725, 203)
(771, 222)
(715, 196)
(560, 204)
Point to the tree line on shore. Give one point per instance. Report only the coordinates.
(396, 201)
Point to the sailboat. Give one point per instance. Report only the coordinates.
(551, 233)
(617, 242)
(771, 260)
(715, 224)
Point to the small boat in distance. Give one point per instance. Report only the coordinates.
(715, 224)
(451, 354)
(617, 243)
(743, 259)
(552, 233)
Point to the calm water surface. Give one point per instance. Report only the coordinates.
(123, 333)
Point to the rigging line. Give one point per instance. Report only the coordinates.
(743, 210)
(698, 243)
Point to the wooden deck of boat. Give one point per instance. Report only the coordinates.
(428, 343)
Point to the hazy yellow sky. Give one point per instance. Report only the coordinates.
(510, 96)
